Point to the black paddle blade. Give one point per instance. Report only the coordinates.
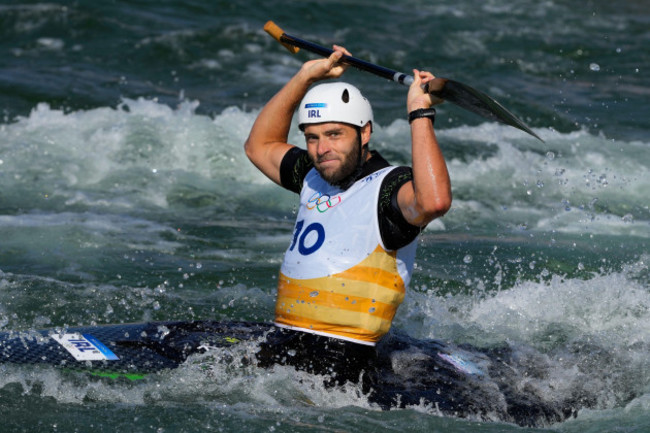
(477, 102)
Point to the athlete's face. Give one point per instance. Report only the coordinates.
(334, 149)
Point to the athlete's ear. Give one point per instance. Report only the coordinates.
(366, 131)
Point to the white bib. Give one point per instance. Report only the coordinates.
(337, 277)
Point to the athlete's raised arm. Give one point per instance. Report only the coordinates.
(267, 142)
(428, 196)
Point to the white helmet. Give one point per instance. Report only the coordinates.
(334, 102)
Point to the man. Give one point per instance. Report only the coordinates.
(351, 257)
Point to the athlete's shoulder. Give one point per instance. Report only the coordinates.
(395, 231)
(293, 169)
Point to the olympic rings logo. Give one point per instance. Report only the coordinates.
(322, 202)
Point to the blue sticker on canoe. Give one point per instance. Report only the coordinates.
(85, 347)
(110, 356)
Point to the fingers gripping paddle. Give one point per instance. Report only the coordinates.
(453, 91)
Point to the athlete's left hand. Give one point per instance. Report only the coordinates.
(417, 97)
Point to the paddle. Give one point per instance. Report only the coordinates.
(453, 91)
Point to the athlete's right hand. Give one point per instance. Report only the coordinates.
(323, 69)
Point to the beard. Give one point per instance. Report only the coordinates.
(344, 175)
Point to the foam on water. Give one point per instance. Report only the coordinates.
(581, 337)
(574, 183)
(222, 376)
(141, 153)
(144, 153)
(611, 308)
(589, 349)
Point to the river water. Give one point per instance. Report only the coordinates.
(125, 196)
